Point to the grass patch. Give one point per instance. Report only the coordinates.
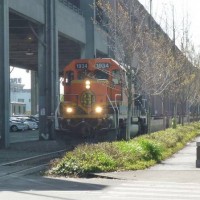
(136, 154)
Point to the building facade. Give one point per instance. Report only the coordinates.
(20, 98)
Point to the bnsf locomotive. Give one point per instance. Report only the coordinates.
(94, 101)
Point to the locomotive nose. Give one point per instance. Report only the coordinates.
(87, 99)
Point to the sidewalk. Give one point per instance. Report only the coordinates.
(181, 167)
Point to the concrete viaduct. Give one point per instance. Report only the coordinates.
(43, 36)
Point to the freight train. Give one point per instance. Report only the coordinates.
(95, 102)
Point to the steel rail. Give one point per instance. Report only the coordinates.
(33, 157)
(23, 166)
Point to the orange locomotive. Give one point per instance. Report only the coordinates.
(94, 102)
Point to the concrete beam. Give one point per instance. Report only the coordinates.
(90, 49)
(4, 74)
(32, 9)
(70, 23)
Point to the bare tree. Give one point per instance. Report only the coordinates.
(124, 27)
(138, 43)
(185, 85)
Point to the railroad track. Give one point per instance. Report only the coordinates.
(36, 163)
(28, 165)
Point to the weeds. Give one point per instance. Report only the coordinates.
(138, 153)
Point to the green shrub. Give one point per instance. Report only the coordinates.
(138, 153)
(152, 149)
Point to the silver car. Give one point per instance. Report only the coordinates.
(17, 126)
(31, 124)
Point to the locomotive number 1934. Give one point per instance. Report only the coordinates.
(102, 65)
(81, 66)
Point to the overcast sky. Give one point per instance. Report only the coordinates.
(162, 12)
(21, 73)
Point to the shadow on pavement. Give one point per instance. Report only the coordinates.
(38, 183)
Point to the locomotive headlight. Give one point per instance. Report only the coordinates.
(87, 84)
(98, 109)
(69, 109)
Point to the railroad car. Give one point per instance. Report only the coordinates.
(94, 103)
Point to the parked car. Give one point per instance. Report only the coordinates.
(34, 119)
(16, 125)
(31, 123)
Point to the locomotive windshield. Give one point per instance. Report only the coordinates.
(101, 74)
(85, 74)
(97, 74)
(69, 77)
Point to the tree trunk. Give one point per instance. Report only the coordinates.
(130, 103)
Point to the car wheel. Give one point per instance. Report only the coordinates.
(13, 128)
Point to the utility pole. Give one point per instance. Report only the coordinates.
(130, 70)
(150, 12)
(94, 15)
(174, 38)
(174, 55)
(150, 7)
(150, 64)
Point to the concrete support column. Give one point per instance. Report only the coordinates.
(48, 71)
(4, 74)
(34, 92)
(42, 83)
(89, 51)
(52, 75)
(83, 52)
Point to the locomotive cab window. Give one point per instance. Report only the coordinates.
(69, 76)
(116, 77)
(81, 75)
(85, 74)
(101, 74)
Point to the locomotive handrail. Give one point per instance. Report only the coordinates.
(57, 112)
(113, 110)
(117, 107)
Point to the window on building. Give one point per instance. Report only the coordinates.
(21, 100)
(14, 109)
(24, 109)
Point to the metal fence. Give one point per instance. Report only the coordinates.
(72, 6)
